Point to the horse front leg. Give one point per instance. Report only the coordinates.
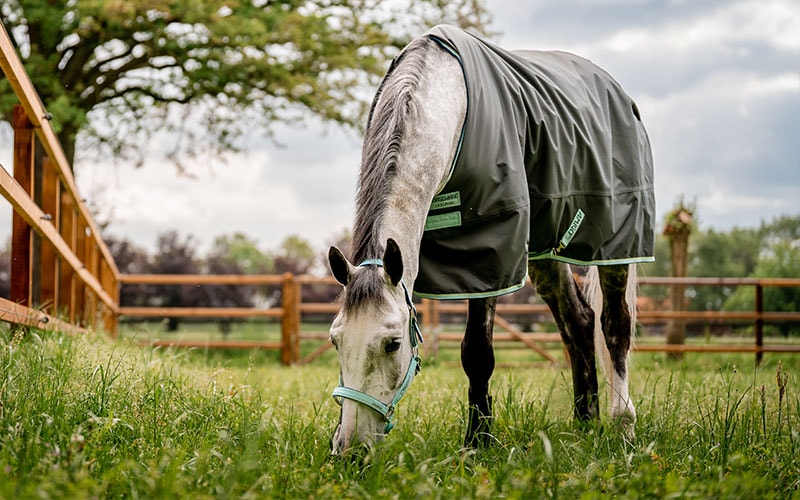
(618, 284)
(575, 319)
(477, 359)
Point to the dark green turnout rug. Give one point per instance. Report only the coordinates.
(553, 163)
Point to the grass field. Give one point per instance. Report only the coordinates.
(89, 418)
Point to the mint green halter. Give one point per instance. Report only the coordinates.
(387, 410)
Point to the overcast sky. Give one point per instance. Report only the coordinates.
(717, 83)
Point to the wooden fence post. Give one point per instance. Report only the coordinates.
(430, 326)
(24, 140)
(91, 263)
(759, 326)
(48, 259)
(67, 279)
(290, 322)
(80, 287)
(111, 286)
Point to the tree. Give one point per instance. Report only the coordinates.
(176, 256)
(116, 71)
(785, 228)
(295, 255)
(131, 259)
(731, 254)
(243, 252)
(173, 256)
(235, 254)
(778, 256)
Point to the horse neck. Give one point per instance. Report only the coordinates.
(429, 145)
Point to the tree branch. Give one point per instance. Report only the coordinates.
(81, 53)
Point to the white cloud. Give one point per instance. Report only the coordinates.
(267, 199)
(757, 86)
(721, 142)
(774, 23)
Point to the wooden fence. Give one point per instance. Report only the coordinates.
(61, 271)
(64, 277)
(292, 309)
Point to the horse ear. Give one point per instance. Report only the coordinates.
(393, 262)
(340, 268)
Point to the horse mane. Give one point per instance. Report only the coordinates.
(393, 106)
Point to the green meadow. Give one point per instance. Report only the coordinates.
(87, 417)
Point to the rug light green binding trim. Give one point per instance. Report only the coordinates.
(464, 296)
(610, 262)
(441, 221)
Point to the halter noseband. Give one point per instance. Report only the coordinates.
(387, 410)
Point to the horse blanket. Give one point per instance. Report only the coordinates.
(553, 163)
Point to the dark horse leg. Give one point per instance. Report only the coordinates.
(477, 359)
(575, 319)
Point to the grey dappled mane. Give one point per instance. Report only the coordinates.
(393, 106)
(395, 103)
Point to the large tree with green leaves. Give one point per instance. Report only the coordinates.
(115, 72)
(777, 256)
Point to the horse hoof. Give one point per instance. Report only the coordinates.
(627, 425)
(479, 425)
(479, 440)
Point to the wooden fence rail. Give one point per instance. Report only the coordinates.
(292, 308)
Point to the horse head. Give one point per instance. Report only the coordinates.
(376, 337)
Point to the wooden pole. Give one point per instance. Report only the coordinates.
(290, 322)
(759, 326)
(49, 298)
(80, 287)
(66, 285)
(21, 232)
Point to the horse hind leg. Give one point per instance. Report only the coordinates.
(556, 286)
(611, 290)
(477, 359)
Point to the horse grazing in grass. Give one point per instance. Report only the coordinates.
(481, 167)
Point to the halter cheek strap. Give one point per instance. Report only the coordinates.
(341, 392)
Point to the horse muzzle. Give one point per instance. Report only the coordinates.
(358, 427)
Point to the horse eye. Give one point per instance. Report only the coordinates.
(392, 346)
(333, 341)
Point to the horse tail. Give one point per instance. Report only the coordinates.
(631, 294)
(593, 293)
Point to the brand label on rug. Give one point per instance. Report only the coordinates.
(573, 228)
(446, 200)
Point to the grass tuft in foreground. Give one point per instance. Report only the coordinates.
(86, 418)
